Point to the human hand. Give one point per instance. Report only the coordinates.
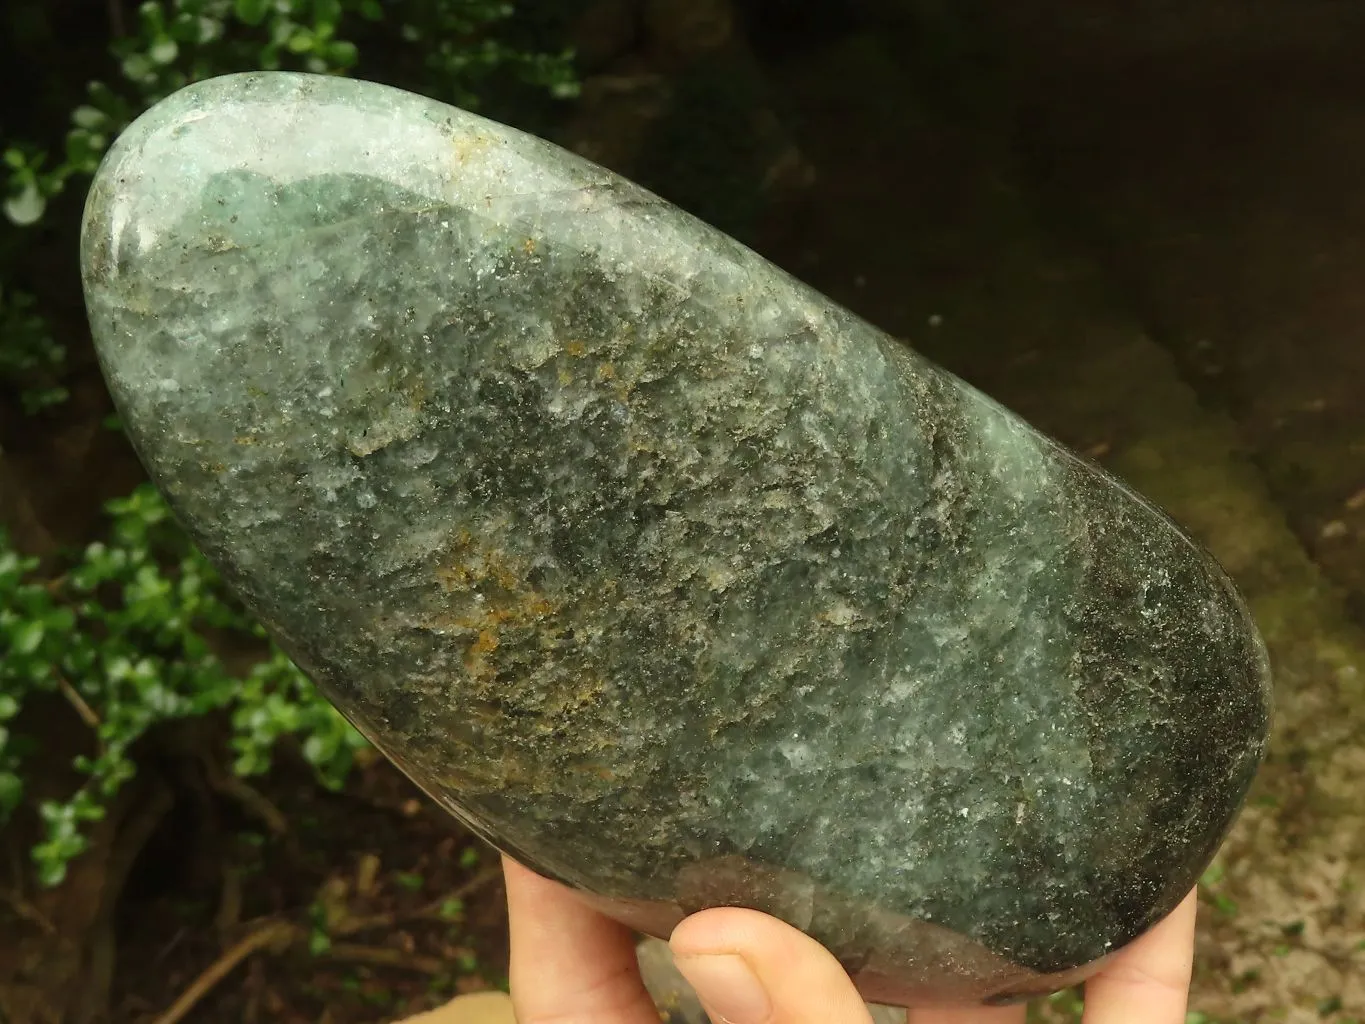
(572, 965)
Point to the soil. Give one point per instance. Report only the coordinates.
(394, 908)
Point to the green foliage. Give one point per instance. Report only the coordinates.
(444, 31)
(29, 356)
(122, 633)
(123, 636)
(176, 42)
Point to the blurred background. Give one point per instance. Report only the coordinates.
(1139, 223)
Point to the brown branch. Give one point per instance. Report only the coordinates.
(229, 900)
(271, 934)
(28, 911)
(279, 935)
(351, 926)
(83, 709)
(251, 800)
(383, 956)
(169, 947)
(153, 802)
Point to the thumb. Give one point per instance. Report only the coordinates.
(749, 968)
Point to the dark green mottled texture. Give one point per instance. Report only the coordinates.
(668, 575)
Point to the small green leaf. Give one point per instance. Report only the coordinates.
(326, 12)
(27, 207)
(28, 636)
(316, 749)
(137, 67)
(105, 98)
(451, 909)
(208, 29)
(342, 54)
(11, 789)
(90, 118)
(251, 12)
(164, 50)
(153, 18)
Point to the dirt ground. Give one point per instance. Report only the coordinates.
(388, 909)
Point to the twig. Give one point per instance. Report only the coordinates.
(252, 800)
(471, 885)
(156, 802)
(229, 900)
(281, 934)
(28, 911)
(166, 949)
(152, 802)
(275, 933)
(382, 956)
(431, 910)
(255, 982)
(83, 709)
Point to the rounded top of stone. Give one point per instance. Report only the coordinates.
(205, 144)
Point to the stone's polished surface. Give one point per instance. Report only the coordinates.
(673, 579)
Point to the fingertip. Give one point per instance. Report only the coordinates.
(1148, 982)
(569, 964)
(800, 981)
(516, 874)
(726, 929)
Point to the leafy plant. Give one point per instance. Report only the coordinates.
(123, 631)
(28, 354)
(176, 42)
(122, 635)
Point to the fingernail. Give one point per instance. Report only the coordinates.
(727, 987)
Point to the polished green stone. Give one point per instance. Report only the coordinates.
(663, 572)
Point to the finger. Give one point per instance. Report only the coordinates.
(570, 965)
(749, 968)
(970, 1015)
(476, 1008)
(1149, 981)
